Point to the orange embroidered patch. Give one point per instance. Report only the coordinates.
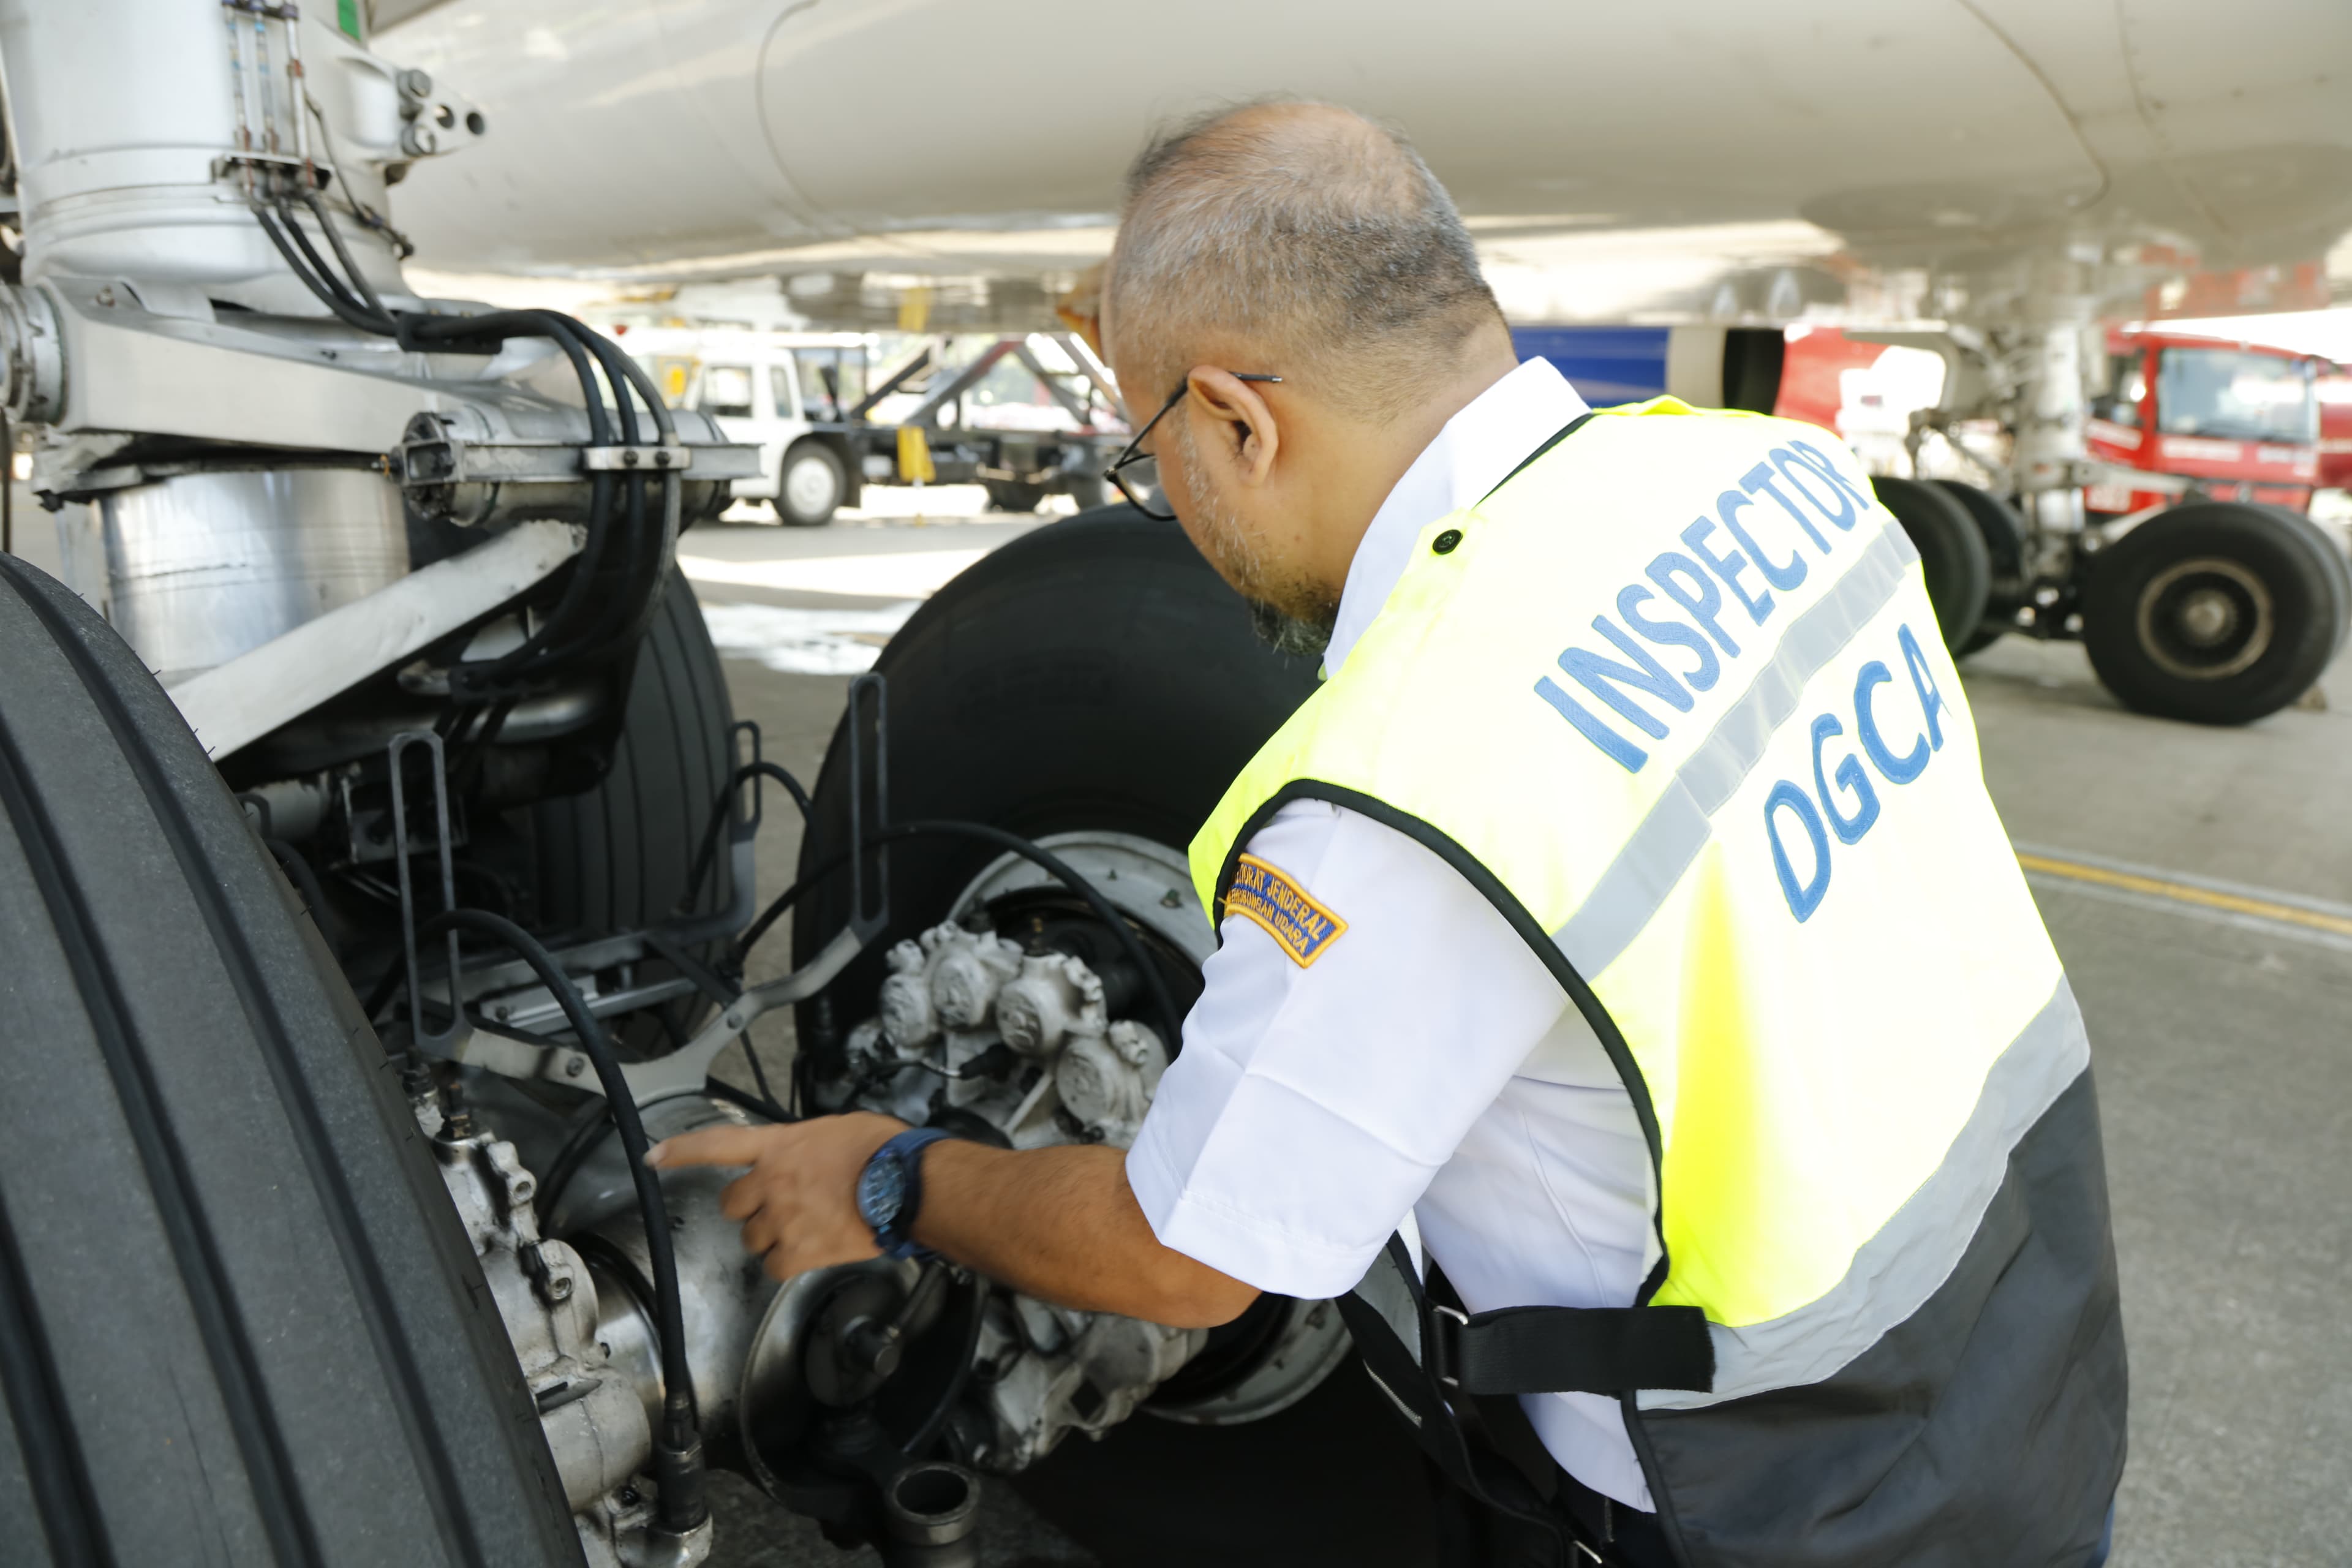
(1264, 896)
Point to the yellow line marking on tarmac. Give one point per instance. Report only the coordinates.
(2182, 892)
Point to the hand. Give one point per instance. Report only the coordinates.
(798, 1202)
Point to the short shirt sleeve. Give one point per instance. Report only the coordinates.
(1341, 1050)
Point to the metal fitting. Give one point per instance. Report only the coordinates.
(32, 356)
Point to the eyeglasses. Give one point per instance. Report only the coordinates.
(1135, 472)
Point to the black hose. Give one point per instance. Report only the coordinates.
(358, 279)
(561, 636)
(346, 310)
(707, 852)
(316, 265)
(679, 1449)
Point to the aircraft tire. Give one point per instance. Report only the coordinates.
(2004, 536)
(618, 858)
(2332, 554)
(1096, 673)
(2213, 612)
(1951, 548)
(239, 1320)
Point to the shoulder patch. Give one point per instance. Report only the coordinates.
(1268, 897)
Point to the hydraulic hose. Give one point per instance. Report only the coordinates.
(677, 1449)
(708, 851)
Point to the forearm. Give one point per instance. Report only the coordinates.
(1063, 1225)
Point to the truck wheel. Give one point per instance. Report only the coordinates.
(2003, 532)
(1012, 495)
(239, 1322)
(810, 485)
(2213, 612)
(618, 858)
(1951, 550)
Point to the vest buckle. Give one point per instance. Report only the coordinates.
(1443, 1353)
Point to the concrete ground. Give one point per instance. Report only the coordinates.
(2196, 882)
(2198, 889)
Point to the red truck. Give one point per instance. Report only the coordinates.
(2241, 421)
(2336, 432)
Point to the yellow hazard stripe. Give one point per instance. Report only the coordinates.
(2184, 893)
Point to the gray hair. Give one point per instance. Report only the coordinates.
(1308, 230)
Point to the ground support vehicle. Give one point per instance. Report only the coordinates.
(804, 400)
(2239, 422)
(941, 438)
(783, 392)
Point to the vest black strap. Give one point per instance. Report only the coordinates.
(1562, 434)
(1570, 1350)
(1475, 1435)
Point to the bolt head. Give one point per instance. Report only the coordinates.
(574, 1068)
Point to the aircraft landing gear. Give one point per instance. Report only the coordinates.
(2213, 612)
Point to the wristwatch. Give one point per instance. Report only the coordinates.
(890, 1191)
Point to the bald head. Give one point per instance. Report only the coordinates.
(1302, 233)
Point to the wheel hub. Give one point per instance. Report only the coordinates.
(2206, 619)
(808, 485)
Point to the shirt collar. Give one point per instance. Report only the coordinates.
(1474, 452)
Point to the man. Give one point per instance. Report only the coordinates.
(1625, 914)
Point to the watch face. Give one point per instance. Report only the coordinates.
(882, 1191)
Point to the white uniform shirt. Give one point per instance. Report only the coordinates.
(1427, 1066)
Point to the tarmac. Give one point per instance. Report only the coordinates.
(2197, 883)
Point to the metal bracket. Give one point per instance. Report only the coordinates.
(683, 1070)
(742, 839)
(435, 1042)
(622, 459)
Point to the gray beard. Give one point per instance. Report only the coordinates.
(1291, 635)
(1288, 615)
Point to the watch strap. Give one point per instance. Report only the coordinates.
(905, 1150)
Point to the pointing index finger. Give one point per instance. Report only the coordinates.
(712, 1146)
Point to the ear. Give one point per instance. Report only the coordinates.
(1246, 433)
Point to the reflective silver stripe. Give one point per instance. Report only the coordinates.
(1895, 1271)
(1669, 838)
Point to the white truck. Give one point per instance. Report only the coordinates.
(803, 399)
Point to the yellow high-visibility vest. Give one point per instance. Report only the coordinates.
(1673, 697)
